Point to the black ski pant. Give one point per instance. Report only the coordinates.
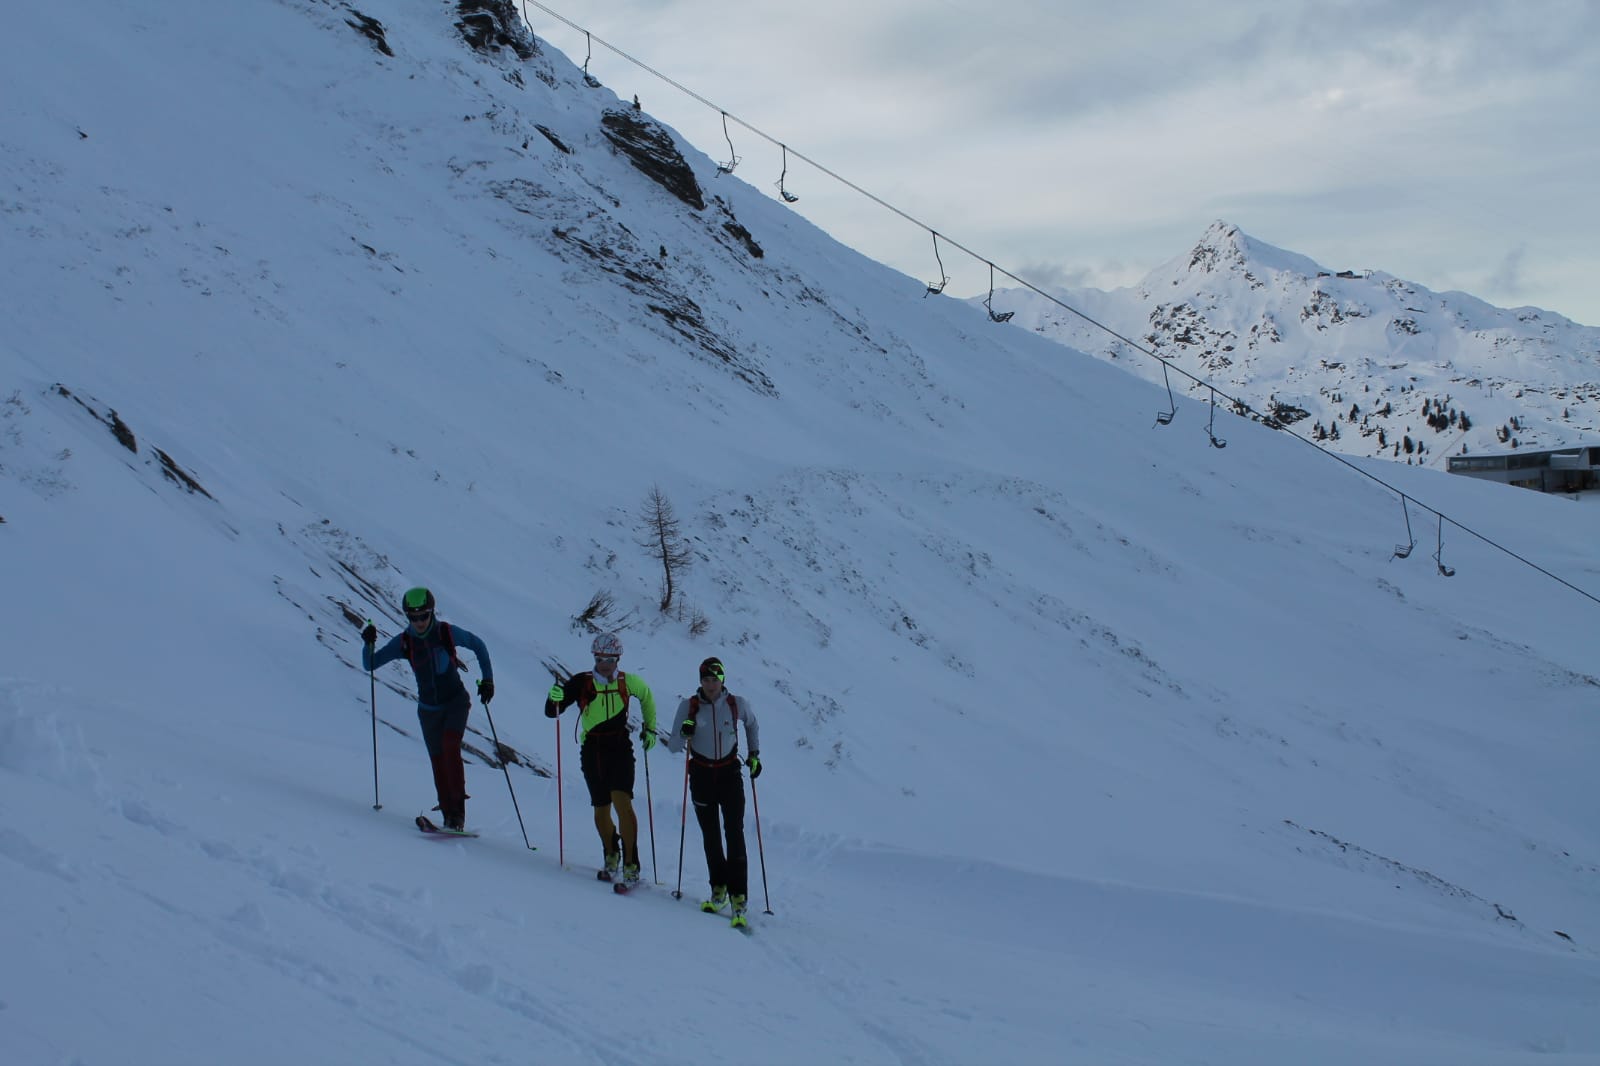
(718, 795)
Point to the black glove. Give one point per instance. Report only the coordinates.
(486, 690)
(369, 635)
(754, 762)
(687, 728)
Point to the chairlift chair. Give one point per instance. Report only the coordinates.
(1164, 418)
(589, 79)
(1444, 571)
(733, 158)
(1401, 551)
(1216, 442)
(788, 197)
(944, 279)
(1004, 316)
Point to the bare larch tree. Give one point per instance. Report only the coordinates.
(662, 538)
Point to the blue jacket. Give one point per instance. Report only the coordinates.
(439, 684)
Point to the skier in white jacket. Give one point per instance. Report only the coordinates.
(707, 723)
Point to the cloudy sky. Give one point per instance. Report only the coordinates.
(1452, 143)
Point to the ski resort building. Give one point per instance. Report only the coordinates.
(1563, 470)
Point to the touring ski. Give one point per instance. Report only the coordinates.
(427, 825)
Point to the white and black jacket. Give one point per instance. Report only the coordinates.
(715, 737)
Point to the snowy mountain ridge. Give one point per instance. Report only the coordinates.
(1083, 741)
(1362, 362)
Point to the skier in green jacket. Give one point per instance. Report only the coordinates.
(606, 748)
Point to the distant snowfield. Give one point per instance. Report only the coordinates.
(1084, 741)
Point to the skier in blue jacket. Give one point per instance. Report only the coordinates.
(443, 705)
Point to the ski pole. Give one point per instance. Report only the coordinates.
(650, 807)
(372, 681)
(561, 835)
(683, 820)
(761, 851)
(507, 771)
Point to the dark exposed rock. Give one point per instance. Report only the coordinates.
(643, 275)
(743, 235)
(651, 149)
(176, 473)
(490, 25)
(371, 29)
(111, 420)
(124, 435)
(553, 139)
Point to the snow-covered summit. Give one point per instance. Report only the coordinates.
(1226, 250)
(1363, 362)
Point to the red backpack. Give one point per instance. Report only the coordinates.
(413, 647)
(587, 693)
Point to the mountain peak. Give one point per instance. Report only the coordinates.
(1227, 248)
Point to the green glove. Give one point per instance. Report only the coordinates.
(754, 762)
(647, 735)
(558, 692)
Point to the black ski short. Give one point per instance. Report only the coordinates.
(607, 763)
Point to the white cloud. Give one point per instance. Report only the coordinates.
(1419, 138)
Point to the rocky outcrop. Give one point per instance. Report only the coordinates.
(490, 25)
(651, 149)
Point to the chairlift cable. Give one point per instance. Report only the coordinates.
(1240, 407)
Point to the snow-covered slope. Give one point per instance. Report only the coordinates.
(1083, 741)
(1363, 362)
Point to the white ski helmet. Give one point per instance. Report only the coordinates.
(607, 644)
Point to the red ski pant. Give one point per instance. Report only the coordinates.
(442, 729)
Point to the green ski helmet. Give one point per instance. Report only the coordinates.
(417, 600)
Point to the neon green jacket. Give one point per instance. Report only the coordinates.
(601, 704)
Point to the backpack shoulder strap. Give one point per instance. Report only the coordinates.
(733, 705)
(411, 646)
(622, 689)
(450, 645)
